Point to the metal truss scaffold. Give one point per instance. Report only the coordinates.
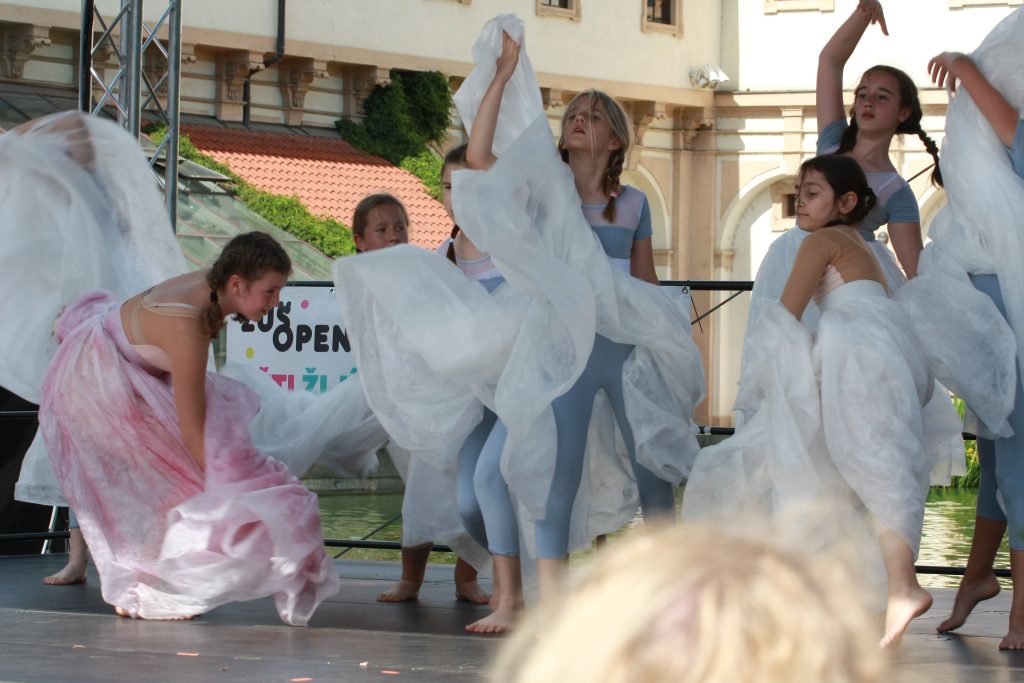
(126, 68)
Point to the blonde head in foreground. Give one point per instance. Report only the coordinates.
(692, 603)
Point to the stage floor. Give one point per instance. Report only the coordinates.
(70, 634)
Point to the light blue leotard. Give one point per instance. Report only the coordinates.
(896, 201)
(603, 371)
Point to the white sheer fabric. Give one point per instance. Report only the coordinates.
(81, 213)
(838, 418)
(981, 230)
(432, 346)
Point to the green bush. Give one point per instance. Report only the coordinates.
(427, 167)
(402, 120)
(331, 237)
(971, 478)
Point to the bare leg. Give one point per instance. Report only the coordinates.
(508, 602)
(549, 576)
(414, 568)
(467, 589)
(907, 599)
(78, 561)
(1014, 639)
(979, 582)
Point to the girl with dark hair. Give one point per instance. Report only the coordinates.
(180, 510)
(886, 104)
(837, 418)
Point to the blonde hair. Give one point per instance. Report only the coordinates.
(690, 603)
(619, 123)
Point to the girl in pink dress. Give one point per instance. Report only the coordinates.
(181, 511)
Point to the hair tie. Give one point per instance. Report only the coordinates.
(213, 296)
(614, 194)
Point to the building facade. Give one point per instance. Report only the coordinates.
(720, 93)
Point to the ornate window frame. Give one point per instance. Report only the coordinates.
(676, 12)
(571, 12)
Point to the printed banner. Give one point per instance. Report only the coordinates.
(302, 343)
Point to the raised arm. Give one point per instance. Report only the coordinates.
(808, 270)
(481, 139)
(950, 67)
(833, 58)
(188, 350)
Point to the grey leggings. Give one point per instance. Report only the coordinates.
(483, 498)
(572, 418)
(1002, 460)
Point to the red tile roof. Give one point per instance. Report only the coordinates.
(327, 174)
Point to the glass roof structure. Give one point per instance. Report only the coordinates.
(208, 215)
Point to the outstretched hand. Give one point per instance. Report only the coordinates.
(509, 57)
(942, 69)
(873, 9)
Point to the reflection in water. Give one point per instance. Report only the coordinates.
(948, 524)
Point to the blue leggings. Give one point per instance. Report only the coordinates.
(483, 498)
(573, 411)
(1002, 460)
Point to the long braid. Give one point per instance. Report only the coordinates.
(611, 183)
(932, 149)
(849, 139)
(214, 317)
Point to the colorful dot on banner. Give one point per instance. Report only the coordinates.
(249, 353)
(305, 303)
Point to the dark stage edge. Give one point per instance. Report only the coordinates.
(70, 634)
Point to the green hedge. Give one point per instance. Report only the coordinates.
(402, 120)
(331, 237)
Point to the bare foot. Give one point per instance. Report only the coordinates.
(402, 592)
(967, 597)
(72, 574)
(122, 612)
(903, 608)
(500, 620)
(1014, 640)
(470, 591)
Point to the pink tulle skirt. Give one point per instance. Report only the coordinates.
(168, 539)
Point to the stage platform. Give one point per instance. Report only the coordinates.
(70, 634)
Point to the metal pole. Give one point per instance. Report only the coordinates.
(173, 97)
(134, 56)
(85, 56)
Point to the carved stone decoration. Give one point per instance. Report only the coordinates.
(233, 67)
(295, 77)
(643, 113)
(689, 122)
(19, 41)
(552, 98)
(188, 54)
(360, 82)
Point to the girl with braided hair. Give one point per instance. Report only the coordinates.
(594, 141)
(886, 104)
(591, 372)
(837, 417)
(180, 510)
